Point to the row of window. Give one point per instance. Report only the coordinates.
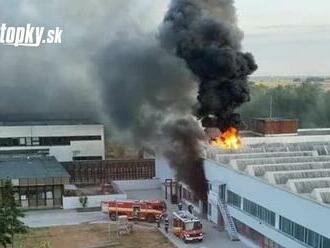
(87, 158)
(303, 234)
(252, 208)
(233, 199)
(295, 230)
(37, 196)
(260, 212)
(257, 238)
(44, 141)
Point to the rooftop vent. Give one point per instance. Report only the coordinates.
(274, 126)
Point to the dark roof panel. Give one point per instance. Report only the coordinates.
(42, 167)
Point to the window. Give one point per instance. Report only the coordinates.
(312, 238)
(209, 209)
(210, 186)
(309, 237)
(259, 212)
(28, 141)
(35, 141)
(87, 158)
(286, 226)
(233, 199)
(9, 141)
(58, 141)
(299, 232)
(22, 141)
(325, 242)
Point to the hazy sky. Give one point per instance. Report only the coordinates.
(287, 37)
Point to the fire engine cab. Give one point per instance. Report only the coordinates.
(139, 210)
(187, 226)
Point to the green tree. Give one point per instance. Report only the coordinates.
(308, 102)
(83, 201)
(4, 236)
(10, 216)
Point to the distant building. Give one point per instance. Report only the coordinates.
(66, 140)
(38, 182)
(276, 189)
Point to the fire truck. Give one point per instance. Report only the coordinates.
(139, 210)
(187, 227)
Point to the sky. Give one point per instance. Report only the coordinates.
(287, 37)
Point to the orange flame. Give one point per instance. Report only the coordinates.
(229, 139)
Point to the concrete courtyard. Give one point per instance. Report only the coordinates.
(213, 237)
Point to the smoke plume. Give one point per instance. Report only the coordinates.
(113, 65)
(205, 34)
(184, 153)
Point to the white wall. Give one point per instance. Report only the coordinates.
(62, 153)
(286, 139)
(87, 148)
(307, 213)
(163, 169)
(72, 202)
(212, 199)
(147, 184)
(50, 130)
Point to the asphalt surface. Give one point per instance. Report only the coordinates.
(213, 237)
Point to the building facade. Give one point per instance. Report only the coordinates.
(67, 141)
(276, 189)
(38, 182)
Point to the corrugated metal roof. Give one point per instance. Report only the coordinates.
(301, 167)
(41, 167)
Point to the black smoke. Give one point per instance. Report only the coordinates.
(113, 66)
(184, 153)
(148, 94)
(205, 34)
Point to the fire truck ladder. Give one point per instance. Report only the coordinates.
(229, 223)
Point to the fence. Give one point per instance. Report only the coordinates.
(103, 171)
(72, 202)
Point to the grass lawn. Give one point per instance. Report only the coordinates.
(90, 235)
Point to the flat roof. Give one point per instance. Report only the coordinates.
(48, 123)
(300, 165)
(34, 167)
(300, 132)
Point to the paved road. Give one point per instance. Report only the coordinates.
(43, 218)
(213, 238)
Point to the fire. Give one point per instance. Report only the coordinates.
(229, 139)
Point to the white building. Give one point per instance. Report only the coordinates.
(66, 141)
(276, 189)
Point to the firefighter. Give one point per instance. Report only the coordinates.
(180, 206)
(166, 224)
(158, 221)
(190, 208)
(135, 216)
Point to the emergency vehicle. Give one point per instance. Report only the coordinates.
(140, 210)
(187, 227)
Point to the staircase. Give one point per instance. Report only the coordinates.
(229, 223)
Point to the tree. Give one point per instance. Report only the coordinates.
(4, 236)
(10, 214)
(83, 201)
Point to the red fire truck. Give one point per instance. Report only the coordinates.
(141, 210)
(187, 226)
